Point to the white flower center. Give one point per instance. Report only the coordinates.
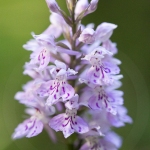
(72, 112)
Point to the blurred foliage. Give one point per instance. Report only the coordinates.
(19, 18)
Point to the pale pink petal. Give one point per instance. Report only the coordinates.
(80, 125)
(29, 128)
(99, 102)
(73, 102)
(93, 103)
(67, 92)
(43, 58)
(71, 72)
(56, 122)
(56, 90)
(113, 138)
(62, 123)
(37, 129)
(87, 36)
(113, 68)
(104, 31)
(110, 46)
(31, 45)
(60, 64)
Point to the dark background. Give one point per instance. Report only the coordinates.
(18, 18)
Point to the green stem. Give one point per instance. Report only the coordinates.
(70, 147)
(73, 42)
(74, 62)
(51, 133)
(73, 32)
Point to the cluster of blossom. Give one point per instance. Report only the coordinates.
(77, 74)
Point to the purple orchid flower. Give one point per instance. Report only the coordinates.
(58, 88)
(101, 71)
(35, 124)
(69, 122)
(29, 95)
(101, 99)
(111, 141)
(120, 118)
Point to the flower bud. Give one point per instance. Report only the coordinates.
(87, 36)
(81, 6)
(93, 6)
(53, 6)
(70, 4)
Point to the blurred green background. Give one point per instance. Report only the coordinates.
(18, 18)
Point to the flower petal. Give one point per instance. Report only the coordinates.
(104, 31)
(80, 125)
(67, 92)
(73, 102)
(61, 122)
(37, 128)
(68, 51)
(60, 64)
(87, 36)
(43, 58)
(29, 128)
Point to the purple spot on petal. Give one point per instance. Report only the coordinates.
(72, 121)
(97, 69)
(107, 70)
(102, 72)
(79, 129)
(67, 118)
(100, 97)
(57, 70)
(68, 95)
(32, 125)
(95, 75)
(97, 105)
(63, 89)
(71, 126)
(26, 127)
(67, 122)
(105, 104)
(33, 132)
(94, 81)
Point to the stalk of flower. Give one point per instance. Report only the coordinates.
(79, 76)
